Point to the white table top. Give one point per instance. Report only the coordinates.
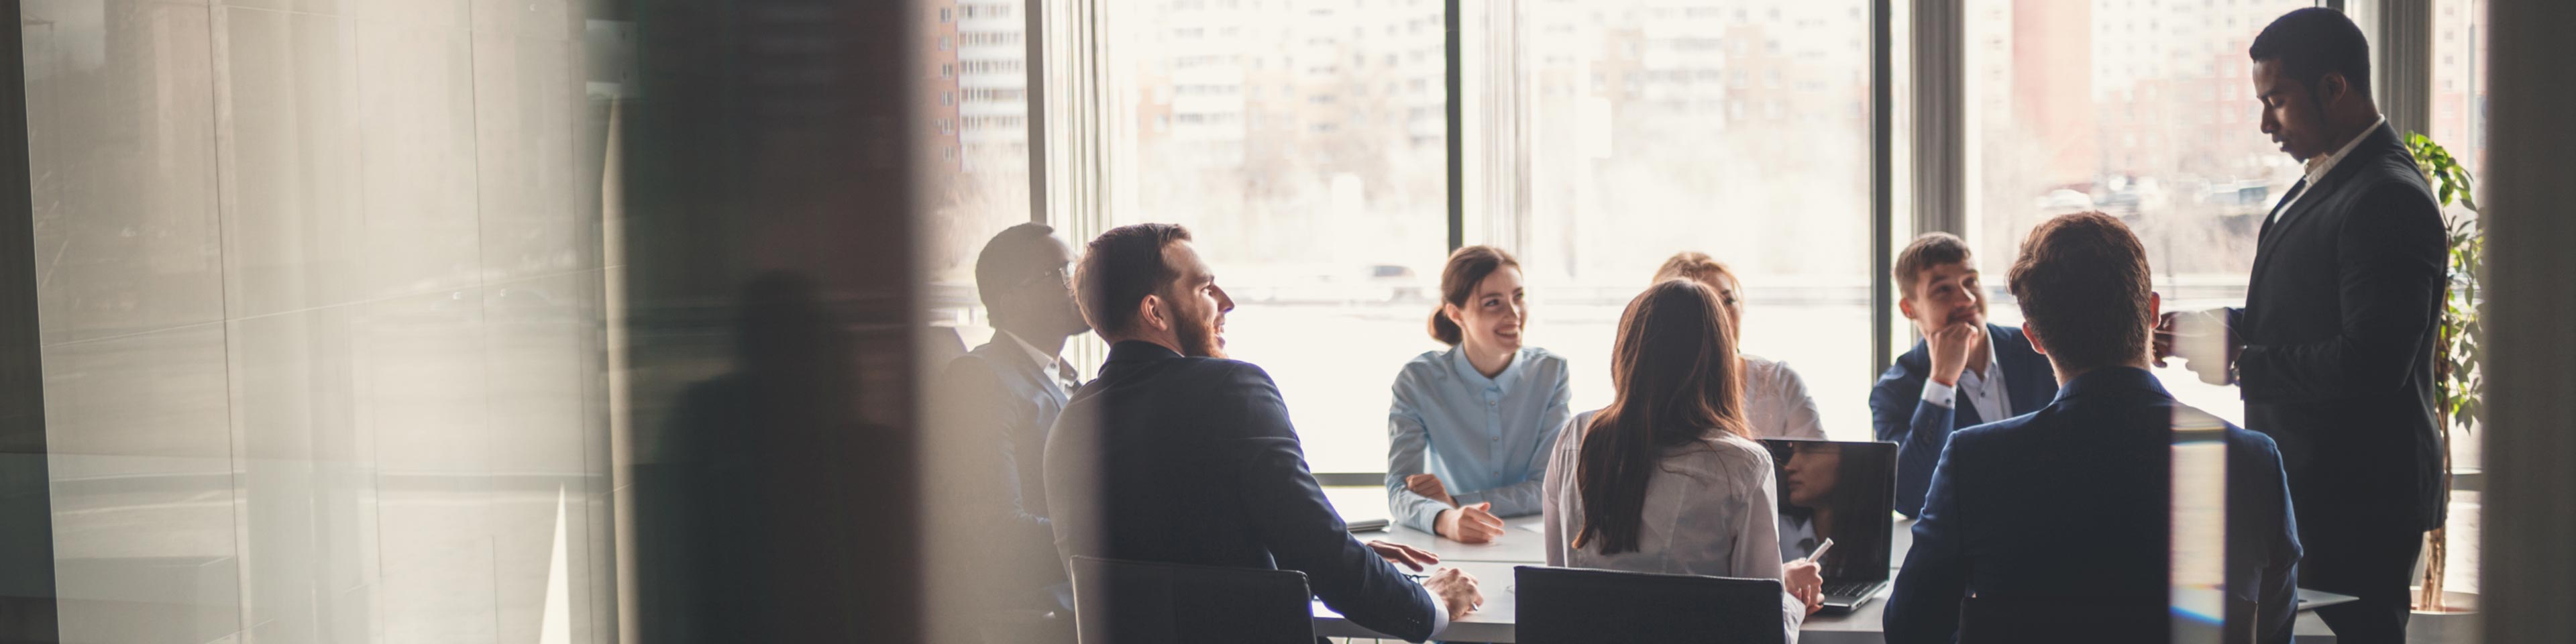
(1521, 544)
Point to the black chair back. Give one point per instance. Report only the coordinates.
(1132, 602)
(1569, 605)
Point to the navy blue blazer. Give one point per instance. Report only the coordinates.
(1919, 429)
(1171, 459)
(2072, 503)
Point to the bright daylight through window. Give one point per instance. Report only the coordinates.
(1304, 145)
(1735, 128)
(976, 147)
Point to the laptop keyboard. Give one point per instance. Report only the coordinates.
(1847, 588)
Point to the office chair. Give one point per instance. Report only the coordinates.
(1131, 602)
(1570, 605)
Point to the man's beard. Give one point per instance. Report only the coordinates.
(1199, 338)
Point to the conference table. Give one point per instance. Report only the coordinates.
(1522, 544)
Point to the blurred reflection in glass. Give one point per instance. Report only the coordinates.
(993, 408)
(1821, 499)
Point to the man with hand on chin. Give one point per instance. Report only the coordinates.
(1965, 372)
(1178, 455)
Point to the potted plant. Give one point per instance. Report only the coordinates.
(2442, 615)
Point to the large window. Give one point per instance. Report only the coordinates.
(2142, 109)
(1304, 144)
(974, 124)
(1737, 128)
(2459, 123)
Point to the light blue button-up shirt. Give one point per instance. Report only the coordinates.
(1487, 439)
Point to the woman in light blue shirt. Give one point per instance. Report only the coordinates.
(1471, 428)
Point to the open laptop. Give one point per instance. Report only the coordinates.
(1844, 491)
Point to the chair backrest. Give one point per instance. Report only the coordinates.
(1582, 605)
(2114, 621)
(1133, 602)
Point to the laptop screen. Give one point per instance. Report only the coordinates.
(1845, 491)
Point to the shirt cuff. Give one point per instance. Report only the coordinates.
(1439, 612)
(1465, 499)
(1940, 394)
(1418, 512)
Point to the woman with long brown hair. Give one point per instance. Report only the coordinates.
(1667, 478)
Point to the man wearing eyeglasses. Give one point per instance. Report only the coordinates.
(1008, 392)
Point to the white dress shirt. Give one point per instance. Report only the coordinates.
(2319, 166)
(1711, 508)
(1047, 364)
(1984, 389)
(1776, 403)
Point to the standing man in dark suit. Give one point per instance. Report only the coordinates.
(2333, 350)
(1176, 454)
(1007, 394)
(1963, 373)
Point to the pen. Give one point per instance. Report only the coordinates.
(1821, 549)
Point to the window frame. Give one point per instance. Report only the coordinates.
(1918, 181)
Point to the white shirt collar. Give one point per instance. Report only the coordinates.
(1994, 367)
(1046, 363)
(2319, 166)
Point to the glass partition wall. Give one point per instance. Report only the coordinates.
(320, 290)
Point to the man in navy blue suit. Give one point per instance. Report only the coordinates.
(2069, 509)
(1963, 373)
(1178, 455)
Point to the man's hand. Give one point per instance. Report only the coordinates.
(1949, 345)
(1471, 524)
(2202, 340)
(1404, 555)
(1805, 581)
(1457, 589)
(2163, 339)
(1429, 486)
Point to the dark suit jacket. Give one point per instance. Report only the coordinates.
(1898, 413)
(1192, 460)
(2071, 503)
(2338, 325)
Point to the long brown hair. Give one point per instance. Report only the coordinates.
(1677, 378)
(1467, 267)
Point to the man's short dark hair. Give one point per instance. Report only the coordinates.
(1929, 250)
(1119, 269)
(2312, 42)
(1010, 259)
(2083, 284)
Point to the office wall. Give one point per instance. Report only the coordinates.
(2530, 519)
(320, 299)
